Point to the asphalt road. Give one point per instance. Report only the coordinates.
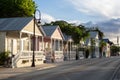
(86, 69)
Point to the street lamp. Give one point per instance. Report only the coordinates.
(36, 20)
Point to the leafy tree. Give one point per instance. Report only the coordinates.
(65, 27)
(115, 50)
(78, 32)
(16, 8)
(85, 33)
(102, 43)
(76, 35)
(100, 33)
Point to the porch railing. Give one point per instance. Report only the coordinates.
(29, 54)
(26, 54)
(59, 56)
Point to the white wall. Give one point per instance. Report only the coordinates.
(2, 41)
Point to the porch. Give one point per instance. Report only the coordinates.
(53, 48)
(20, 44)
(69, 50)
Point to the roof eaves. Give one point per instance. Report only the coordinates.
(42, 30)
(31, 18)
(61, 33)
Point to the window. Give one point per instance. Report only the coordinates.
(61, 45)
(56, 45)
(9, 45)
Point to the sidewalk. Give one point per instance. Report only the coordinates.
(9, 72)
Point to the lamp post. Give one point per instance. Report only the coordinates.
(36, 20)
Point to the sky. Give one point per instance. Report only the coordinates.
(103, 13)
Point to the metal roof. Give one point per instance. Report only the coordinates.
(49, 30)
(14, 24)
(67, 37)
(93, 34)
(106, 40)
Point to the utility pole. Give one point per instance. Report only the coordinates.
(118, 40)
(118, 44)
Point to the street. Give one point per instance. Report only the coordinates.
(84, 69)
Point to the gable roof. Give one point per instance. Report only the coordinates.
(14, 24)
(107, 41)
(67, 37)
(49, 30)
(93, 34)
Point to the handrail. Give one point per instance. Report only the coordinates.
(23, 55)
(15, 59)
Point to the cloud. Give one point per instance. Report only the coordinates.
(101, 8)
(76, 22)
(110, 28)
(46, 18)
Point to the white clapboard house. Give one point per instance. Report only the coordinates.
(93, 41)
(53, 43)
(16, 36)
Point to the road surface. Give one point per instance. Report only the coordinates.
(85, 69)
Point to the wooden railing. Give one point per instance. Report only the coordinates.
(29, 54)
(59, 56)
(26, 54)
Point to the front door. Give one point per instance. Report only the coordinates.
(12, 46)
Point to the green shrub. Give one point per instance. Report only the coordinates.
(3, 57)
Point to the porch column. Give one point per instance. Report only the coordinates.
(21, 45)
(62, 45)
(70, 48)
(54, 44)
(67, 51)
(36, 43)
(29, 38)
(58, 46)
(51, 45)
(20, 50)
(42, 43)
